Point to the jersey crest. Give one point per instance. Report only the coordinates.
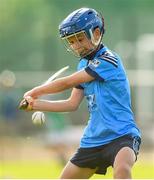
(94, 63)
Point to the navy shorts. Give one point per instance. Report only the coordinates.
(101, 157)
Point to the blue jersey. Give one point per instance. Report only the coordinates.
(108, 99)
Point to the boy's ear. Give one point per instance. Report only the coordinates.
(97, 33)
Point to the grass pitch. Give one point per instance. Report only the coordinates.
(52, 169)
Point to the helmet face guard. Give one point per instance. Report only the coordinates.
(82, 22)
(83, 44)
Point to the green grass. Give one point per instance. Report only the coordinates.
(30, 169)
(140, 171)
(47, 169)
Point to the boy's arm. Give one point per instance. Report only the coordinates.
(60, 84)
(71, 104)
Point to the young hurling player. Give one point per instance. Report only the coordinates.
(111, 137)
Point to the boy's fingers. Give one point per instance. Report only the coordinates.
(23, 104)
(26, 103)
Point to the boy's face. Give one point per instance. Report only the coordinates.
(80, 44)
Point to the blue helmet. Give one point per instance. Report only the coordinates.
(86, 19)
(82, 20)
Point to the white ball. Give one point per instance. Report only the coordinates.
(38, 118)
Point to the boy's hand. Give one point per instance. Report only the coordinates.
(27, 103)
(30, 93)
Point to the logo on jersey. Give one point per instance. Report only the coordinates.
(95, 63)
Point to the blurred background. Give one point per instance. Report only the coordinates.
(31, 51)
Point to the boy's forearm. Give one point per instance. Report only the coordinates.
(53, 106)
(56, 86)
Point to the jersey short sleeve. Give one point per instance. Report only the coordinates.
(103, 68)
